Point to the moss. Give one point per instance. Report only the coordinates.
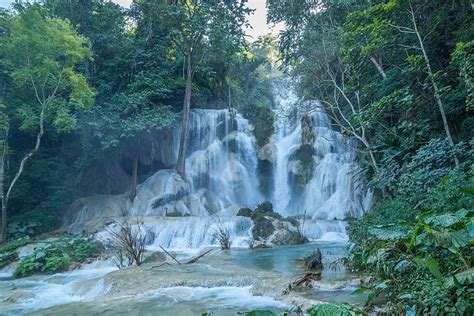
(262, 118)
(245, 211)
(262, 228)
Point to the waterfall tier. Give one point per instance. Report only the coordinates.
(313, 173)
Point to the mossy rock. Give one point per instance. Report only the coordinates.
(262, 118)
(308, 136)
(304, 154)
(262, 228)
(266, 209)
(245, 211)
(157, 256)
(302, 166)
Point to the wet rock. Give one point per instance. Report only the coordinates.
(308, 135)
(266, 209)
(163, 187)
(265, 177)
(166, 198)
(91, 213)
(262, 228)
(157, 256)
(289, 237)
(245, 211)
(301, 166)
(314, 261)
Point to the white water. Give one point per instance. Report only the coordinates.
(333, 192)
(40, 292)
(222, 177)
(195, 232)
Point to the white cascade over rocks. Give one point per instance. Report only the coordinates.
(314, 174)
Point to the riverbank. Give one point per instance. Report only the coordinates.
(222, 282)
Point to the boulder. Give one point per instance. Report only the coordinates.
(245, 211)
(262, 228)
(91, 213)
(266, 209)
(163, 188)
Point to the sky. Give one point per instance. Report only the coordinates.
(258, 20)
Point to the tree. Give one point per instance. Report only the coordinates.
(41, 54)
(415, 31)
(193, 24)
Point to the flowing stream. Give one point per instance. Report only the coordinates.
(313, 178)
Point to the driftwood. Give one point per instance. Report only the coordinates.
(305, 280)
(190, 261)
(196, 258)
(173, 257)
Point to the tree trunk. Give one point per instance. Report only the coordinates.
(437, 94)
(379, 67)
(229, 96)
(180, 166)
(133, 188)
(4, 233)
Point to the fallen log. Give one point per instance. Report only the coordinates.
(305, 280)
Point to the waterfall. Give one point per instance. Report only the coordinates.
(314, 173)
(314, 167)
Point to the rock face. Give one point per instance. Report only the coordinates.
(301, 167)
(91, 213)
(161, 194)
(308, 135)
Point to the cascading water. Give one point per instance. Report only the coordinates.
(313, 174)
(314, 166)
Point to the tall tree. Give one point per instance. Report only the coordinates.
(41, 54)
(193, 24)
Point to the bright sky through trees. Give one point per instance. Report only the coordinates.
(258, 20)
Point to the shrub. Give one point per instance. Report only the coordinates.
(7, 257)
(8, 251)
(419, 261)
(56, 256)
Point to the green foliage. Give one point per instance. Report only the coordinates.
(8, 252)
(334, 309)
(7, 258)
(57, 255)
(12, 245)
(41, 54)
(262, 118)
(261, 313)
(423, 264)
